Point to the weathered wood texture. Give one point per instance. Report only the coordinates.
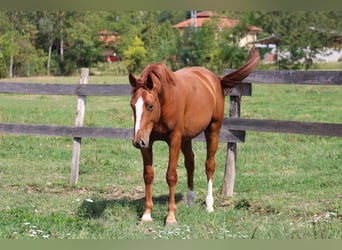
(294, 77)
(66, 89)
(229, 172)
(277, 126)
(80, 111)
(80, 89)
(98, 132)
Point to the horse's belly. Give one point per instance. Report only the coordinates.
(200, 111)
(203, 100)
(197, 122)
(192, 132)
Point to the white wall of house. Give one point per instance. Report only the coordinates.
(249, 38)
(329, 55)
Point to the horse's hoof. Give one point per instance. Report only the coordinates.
(146, 218)
(169, 223)
(190, 197)
(210, 209)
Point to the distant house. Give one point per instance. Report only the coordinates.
(198, 19)
(109, 40)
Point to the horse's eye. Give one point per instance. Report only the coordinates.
(150, 107)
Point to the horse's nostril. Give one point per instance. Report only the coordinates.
(135, 144)
(139, 144)
(142, 143)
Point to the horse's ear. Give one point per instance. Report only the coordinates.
(132, 80)
(149, 83)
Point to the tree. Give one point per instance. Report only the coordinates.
(167, 47)
(7, 52)
(128, 25)
(19, 51)
(50, 25)
(159, 38)
(196, 46)
(229, 56)
(301, 35)
(228, 53)
(135, 55)
(79, 36)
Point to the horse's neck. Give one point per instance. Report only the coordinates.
(167, 94)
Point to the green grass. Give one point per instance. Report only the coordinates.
(327, 66)
(287, 186)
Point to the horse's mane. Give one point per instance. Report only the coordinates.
(159, 70)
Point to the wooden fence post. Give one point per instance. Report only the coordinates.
(76, 150)
(229, 173)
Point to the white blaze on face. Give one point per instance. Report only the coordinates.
(138, 113)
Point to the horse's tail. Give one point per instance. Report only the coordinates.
(235, 78)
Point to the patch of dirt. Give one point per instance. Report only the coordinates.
(248, 205)
(117, 193)
(112, 192)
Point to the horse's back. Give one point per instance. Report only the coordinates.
(204, 97)
(198, 72)
(195, 77)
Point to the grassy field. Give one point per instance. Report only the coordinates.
(287, 186)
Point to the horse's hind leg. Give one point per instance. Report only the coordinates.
(189, 163)
(211, 134)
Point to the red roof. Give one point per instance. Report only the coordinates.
(207, 16)
(108, 38)
(224, 22)
(205, 13)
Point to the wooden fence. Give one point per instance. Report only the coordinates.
(232, 132)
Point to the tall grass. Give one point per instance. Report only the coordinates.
(287, 186)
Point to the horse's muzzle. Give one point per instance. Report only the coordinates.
(140, 144)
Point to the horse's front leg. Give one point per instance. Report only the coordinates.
(171, 176)
(148, 179)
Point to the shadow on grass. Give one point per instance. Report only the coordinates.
(92, 209)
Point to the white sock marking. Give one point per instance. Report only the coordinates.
(138, 113)
(190, 197)
(210, 199)
(146, 218)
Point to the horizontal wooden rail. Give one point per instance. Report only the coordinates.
(233, 129)
(294, 77)
(97, 132)
(83, 90)
(277, 126)
(66, 89)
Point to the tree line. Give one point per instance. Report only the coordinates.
(61, 42)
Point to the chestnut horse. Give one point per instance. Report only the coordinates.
(176, 107)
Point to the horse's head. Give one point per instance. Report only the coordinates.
(146, 107)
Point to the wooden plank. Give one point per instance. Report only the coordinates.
(66, 89)
(66, 131)
(232, 130)
(294, 77)
(97, 132)
(246, 90)
(261, 76)
(80, 111)
(87, 90)
(278, 126)
(229, 172)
